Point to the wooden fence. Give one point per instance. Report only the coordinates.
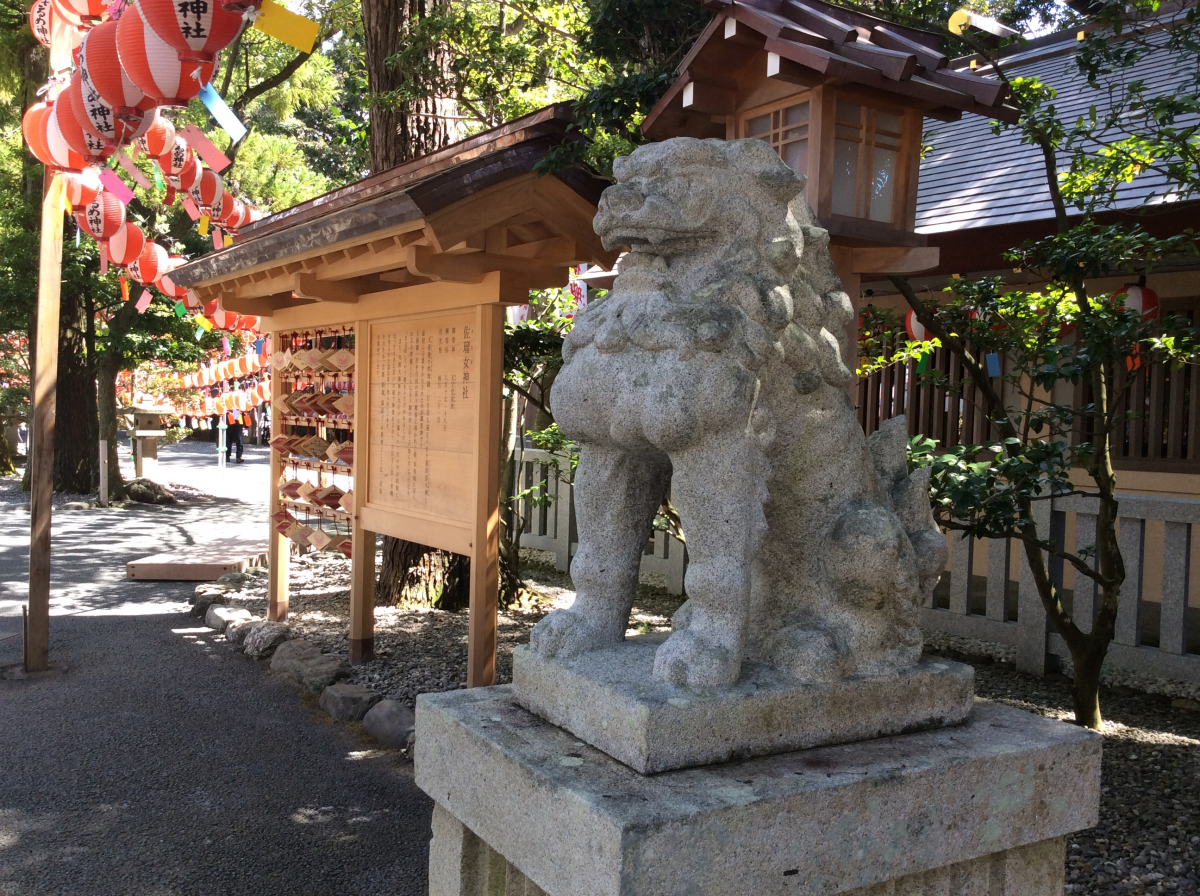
(987, 593)
(1161, 435)
(551, 526)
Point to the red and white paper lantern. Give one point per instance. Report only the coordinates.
(126, 244)
(207, 191)
(39, 21)
(68, 117)
(82, 186)
(159, 137)
(196, 29)
(33, 128)
(166, 285)
(154, 66)
(100, 66)
(150, 265)
(1141, 299)
(82, 13)
(103, 217)
(915, 329)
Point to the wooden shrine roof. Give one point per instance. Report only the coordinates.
(810, 42)
(458, 214)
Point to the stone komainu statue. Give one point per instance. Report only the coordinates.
(716, 366)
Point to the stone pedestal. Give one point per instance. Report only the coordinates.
(611, 699)
(523, 807)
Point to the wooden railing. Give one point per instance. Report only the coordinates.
(1162, 433)
(551, 526)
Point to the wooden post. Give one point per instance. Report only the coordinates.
(277, 547)
(41, 431)
(485, 542)
(362, 559)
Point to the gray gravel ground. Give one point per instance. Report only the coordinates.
(159, 763)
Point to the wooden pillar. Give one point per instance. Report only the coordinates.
(485, 541)
(362, 560)
(41, 430)
(277, 546)
(362, 596)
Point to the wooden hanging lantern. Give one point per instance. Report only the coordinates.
(840, 95)
(154, 66)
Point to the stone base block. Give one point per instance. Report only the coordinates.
(609, 699)
(978, 810)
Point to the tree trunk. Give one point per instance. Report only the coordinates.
(74, 450)
(1085, 691)
(7, 467)
(398, 132)
(106, 405)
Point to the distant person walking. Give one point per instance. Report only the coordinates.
(233, 435)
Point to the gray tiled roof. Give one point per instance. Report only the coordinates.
(974, 178)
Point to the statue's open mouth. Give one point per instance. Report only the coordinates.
(661, 241)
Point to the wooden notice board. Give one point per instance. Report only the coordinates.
(427, 446)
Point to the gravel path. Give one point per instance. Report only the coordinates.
(160, 764)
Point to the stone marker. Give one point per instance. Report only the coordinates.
(304, 662)
(235, 632)
(220, 616)
(264, 637)
(716, 366)
(348, 702)
(391, 723)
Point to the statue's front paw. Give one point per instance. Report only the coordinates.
(567, 633)
(687, 660)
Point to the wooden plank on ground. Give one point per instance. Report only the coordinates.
(199, 563)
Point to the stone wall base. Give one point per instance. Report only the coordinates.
(461, 864)
(524, 809)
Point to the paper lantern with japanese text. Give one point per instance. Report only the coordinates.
(187, 179)
(225, 208)
(100, 66)
(81, 13)
(69, 116)
(172, 162)
(150, 265)
(224, 320)
(196, 29)
(207, 190)
(159, 138)
(154, 66)
(115, 126)
(103, 216)
(39, 21)
(126, 244)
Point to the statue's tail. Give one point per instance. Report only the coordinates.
(908, 495)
